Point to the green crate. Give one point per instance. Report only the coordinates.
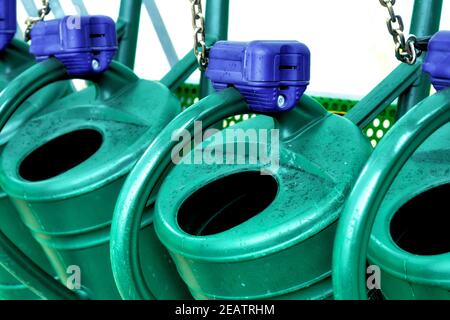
(188, 95)
(375, 130)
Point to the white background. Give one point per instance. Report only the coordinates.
(350, 45)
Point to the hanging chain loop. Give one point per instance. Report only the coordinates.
(405, 49)
(198, 24)
(32, 21)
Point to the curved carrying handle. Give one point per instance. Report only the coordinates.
(184, 68)
(143, 181)
(11, 98)
(356, 222)
(50, 71)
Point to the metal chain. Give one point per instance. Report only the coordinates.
(32, 21)
(405, 49)
(198, 23)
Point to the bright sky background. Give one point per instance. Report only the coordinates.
(350, 45)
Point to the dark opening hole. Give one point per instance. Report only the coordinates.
(284, 87)
(288, 67)
(60, 155)
(96, 35)
(227, 203)
(421, 225)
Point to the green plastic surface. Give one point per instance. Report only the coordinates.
(206, 263)
(68, 205)
(413, 250)
(410, 160)
(375, 131)
(143, 183)
(220, 258)
(13, 61)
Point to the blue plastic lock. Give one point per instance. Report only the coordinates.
(271, 75)
(8, 22)
(85, 45)
(437, 62)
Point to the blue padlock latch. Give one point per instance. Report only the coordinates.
(8, 22)
(437, 61)
(85, 45)
(271, 75)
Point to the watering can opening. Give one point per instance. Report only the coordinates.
(60, 155)
(230, 228)
(421, 234)
(409, 240)
(227, 203)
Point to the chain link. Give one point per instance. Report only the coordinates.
(405, 49)
(198, 24)
(32, 21)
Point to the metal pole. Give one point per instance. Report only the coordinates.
(180, 72)
(161, 31)
(79, 4)
(57, 9)
(129, 15)
(395, 84)
(425, 21)
(216, 25)
(30, 7)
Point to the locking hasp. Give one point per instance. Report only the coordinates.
(271, 75)
(8, 22)
(86, 45)
(437, 62)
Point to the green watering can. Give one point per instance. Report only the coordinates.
(63, 171)
(13, 61)
(236, 225)
(70, 166)
(232, 232)
(73, 159)
(402, 196)
(237, 234)
(397, 215)
(410, 240)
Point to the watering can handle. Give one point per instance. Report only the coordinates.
(356, 222)
(143, 181)
(11, 98)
